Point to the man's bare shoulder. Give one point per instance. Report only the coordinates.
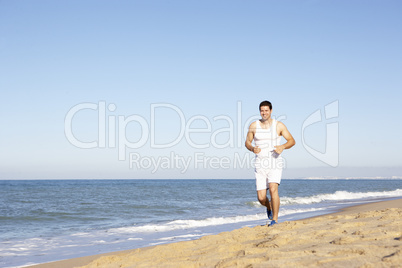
(280, 127)
(280, 124)
(253, 126)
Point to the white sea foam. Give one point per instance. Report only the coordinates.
(190, 224)
(338, 196)
(186, 224)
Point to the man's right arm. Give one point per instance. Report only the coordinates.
(250, 137)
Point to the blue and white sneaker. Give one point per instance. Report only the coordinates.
(269, 214)
(272, 223)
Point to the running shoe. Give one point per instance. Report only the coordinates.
(269, 214)
(272, 223)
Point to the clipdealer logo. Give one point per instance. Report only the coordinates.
(113, 131)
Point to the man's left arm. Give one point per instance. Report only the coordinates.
(290, 141)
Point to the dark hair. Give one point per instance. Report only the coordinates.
(266, 103)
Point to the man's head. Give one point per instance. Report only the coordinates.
(266, 103)
(265, 110)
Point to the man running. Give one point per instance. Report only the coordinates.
(267, 133)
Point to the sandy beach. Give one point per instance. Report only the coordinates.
(368, 235)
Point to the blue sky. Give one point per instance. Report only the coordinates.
(210, 63)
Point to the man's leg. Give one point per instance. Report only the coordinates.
(262, 197)
(273, 191)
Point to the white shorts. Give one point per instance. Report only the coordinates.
(263, 177)
(268, 170)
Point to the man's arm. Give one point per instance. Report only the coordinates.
(249, 139)
(290, 141)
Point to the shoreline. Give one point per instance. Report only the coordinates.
(384, 207)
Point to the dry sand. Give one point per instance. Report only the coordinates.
(363, 236)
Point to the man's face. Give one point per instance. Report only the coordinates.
(265, 112)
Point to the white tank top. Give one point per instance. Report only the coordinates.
(266, 139)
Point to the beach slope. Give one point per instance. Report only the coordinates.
(367, 235)
(361, 236)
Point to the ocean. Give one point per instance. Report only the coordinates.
(49, 220)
